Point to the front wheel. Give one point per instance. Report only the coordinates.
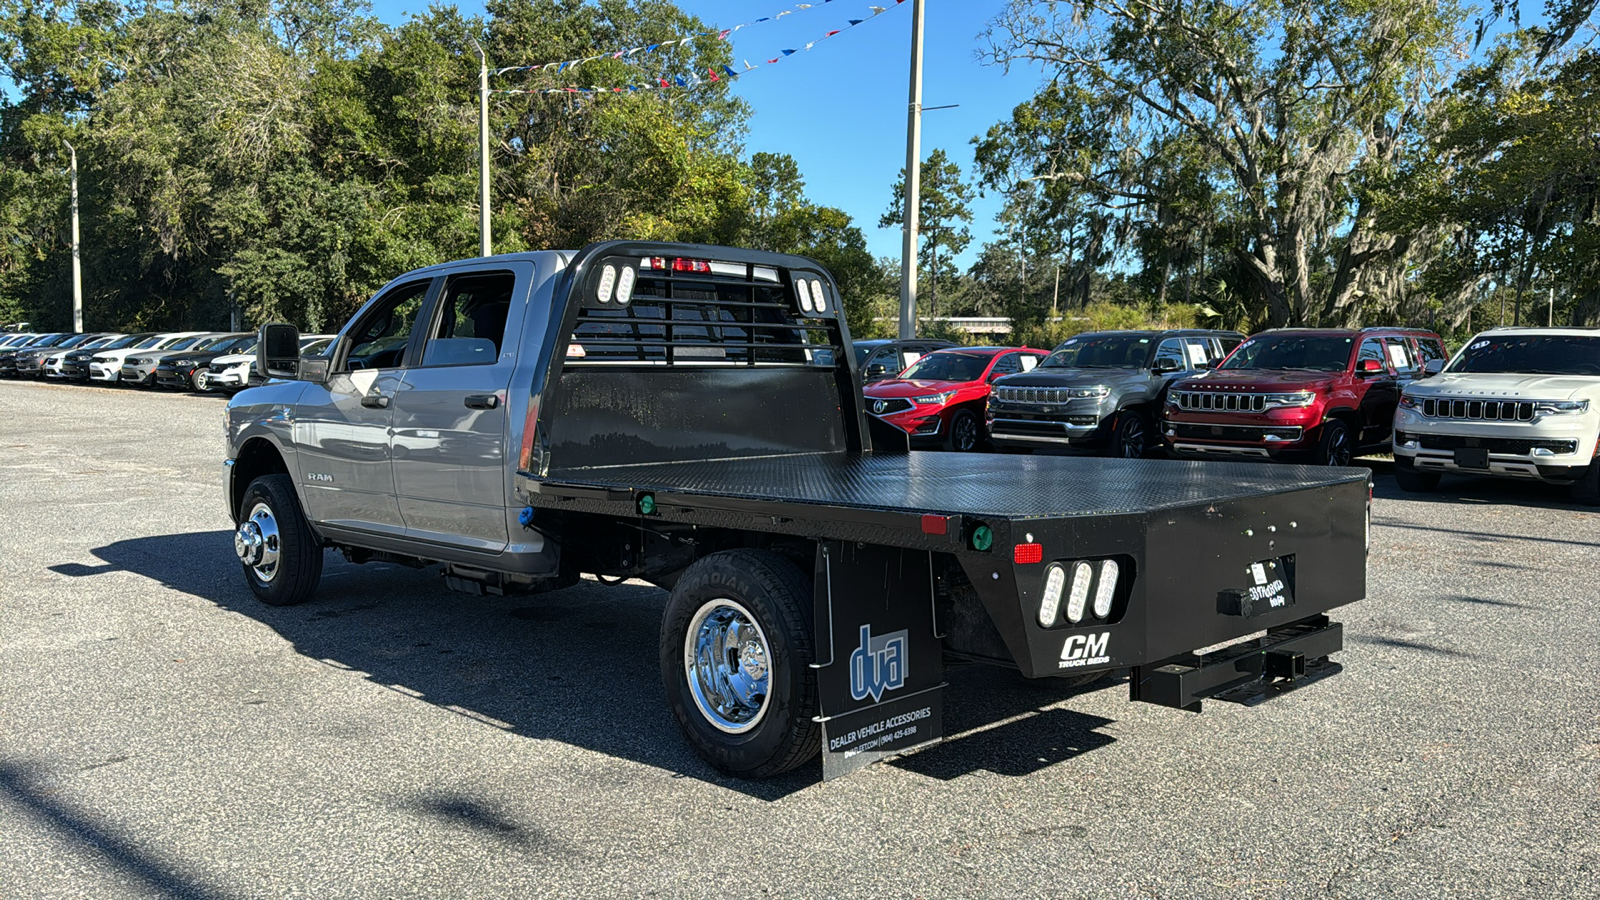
(1131, 439)
(199, 379)
(1334, 448)
(965, 432)
(282, 558)
(736, 653)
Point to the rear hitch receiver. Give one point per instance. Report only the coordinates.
(1289, 657)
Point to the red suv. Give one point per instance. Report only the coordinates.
(940, 398)
(1319, 394)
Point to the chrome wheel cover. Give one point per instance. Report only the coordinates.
(727, 661)
(257, 544)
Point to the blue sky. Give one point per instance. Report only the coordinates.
(840, 108)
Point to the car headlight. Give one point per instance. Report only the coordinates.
(935, 399)
(1291, 400)
(1098, 390)
(1409, 402)
(1560, 407)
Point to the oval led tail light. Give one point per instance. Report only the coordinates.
(817, 298)
(805, 295)
(1106, 590)
(608, 280)
(1055, 578)
(625, 285)
(1078, 596)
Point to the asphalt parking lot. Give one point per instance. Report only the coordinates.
(162, 734)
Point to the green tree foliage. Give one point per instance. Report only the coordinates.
(283, 159)
(944, 210)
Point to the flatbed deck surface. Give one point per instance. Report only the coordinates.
(972, 483)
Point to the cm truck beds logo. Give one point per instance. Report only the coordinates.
(1085, 650)
(878, 665)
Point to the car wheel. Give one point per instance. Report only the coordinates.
(965, 433)
(282, 558)
(1131, 438)
(1586, 490)
(736, 653)
(1334, 447)
(1411, 479)
(199, 378)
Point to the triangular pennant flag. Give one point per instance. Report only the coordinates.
(664, 83)
(788, 53)
(730, 71)
(833, 32)
(723, 35)
(855, 22)
(713, 73)
(876, 10)
(651, 48)
(562, 66)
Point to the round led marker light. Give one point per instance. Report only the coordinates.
(817, 298)
(625, 285)
(1078, 596)
(1055, 579)
(982, 538)
(647, 504)
(1106, 590)
(608, 280)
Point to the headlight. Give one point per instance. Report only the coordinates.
(1290, 401)
(1560, 407)
(1098, 390)
(935, 399)
(1409, 402)
(184, 363)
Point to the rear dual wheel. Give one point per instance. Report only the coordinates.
(736, 653)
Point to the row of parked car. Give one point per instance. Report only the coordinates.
(186, 360)
(1515, 402)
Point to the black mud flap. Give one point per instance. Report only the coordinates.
(880, 675)
(1288, 657)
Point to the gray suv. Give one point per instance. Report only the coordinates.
(1101, 390)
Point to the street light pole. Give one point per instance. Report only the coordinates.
(913, 186)
(77, 270)
(483, 150)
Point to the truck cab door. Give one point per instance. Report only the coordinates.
(342, 427)
(1380, 392)
(450, 418)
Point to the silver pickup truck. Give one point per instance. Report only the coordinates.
(690, 415)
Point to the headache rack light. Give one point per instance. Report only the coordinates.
(684, 265)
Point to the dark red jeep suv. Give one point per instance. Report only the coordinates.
(1323, 395)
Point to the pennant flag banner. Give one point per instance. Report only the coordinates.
(693, 80)
(634, 52)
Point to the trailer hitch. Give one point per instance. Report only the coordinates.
(1288, 657)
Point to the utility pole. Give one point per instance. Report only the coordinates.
(483, 150)
(913, 186)
(77, 270)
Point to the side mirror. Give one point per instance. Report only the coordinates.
(877, 370)
(1432, 367)
(1166, 365)
(1369, 367)
(278, 351)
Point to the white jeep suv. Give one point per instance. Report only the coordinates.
(1517, 402)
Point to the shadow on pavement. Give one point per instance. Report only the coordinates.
(579, 666)
(22, 789)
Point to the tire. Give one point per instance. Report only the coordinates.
(1411, 479)
(1586, 490)
(965, 432)
(270, 517)
(758, 724)
(198, 380)
(1334, 448)
(1130, 438)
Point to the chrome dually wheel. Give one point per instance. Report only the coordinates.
(279, 552)
(257, 542)
(728, 662)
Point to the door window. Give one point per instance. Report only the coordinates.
(1007, 364)
(1400, 355)
(379, 340)
(1171, 350)
(909, 356)
(1429, 349)
(1371, 348)
(472, 320)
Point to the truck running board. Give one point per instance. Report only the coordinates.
(1288, 657)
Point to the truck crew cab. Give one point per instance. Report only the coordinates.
(689, 415)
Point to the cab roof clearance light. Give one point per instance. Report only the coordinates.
(1055, 580)
(1078, 595)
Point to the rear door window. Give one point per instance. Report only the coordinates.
(471, 320)
(1400, 355)
(1171, 350)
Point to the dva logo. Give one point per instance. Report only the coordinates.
(878, 665)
